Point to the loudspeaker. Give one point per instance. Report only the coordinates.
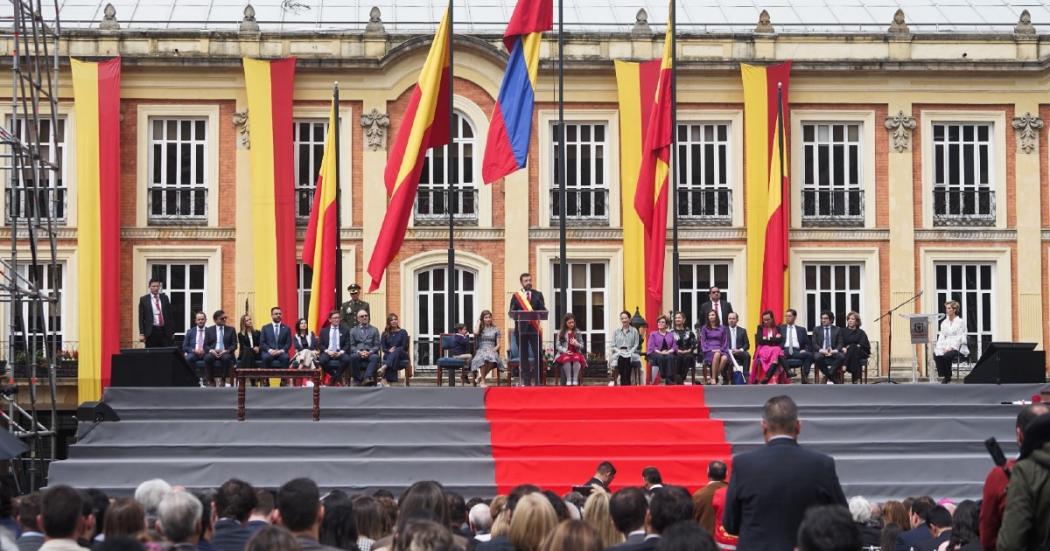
(152, 367)
(89, 412)
(1009, 363)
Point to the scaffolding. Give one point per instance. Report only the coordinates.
(30, 277)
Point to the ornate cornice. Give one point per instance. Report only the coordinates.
(178, 232)
(900, 127)
(461, 234)
(839, 234)
(240, 122)
(61, 232)
(966, 234)
(1027, 127)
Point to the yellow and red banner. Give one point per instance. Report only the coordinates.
(766, 187)
(269, 84)
(650, 197)
(319, 247)
(425, 125)
(96, 101)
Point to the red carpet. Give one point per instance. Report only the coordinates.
(555, 436)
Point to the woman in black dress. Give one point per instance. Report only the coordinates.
(855, 346)
(685, 357)
(248, 338)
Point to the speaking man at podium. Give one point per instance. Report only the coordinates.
(528, 332)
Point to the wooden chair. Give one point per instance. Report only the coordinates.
(445, 342)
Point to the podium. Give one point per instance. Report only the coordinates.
(530, 375)
(919, 326)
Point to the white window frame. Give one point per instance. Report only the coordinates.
(144, 114)
(846, 144)
(460, 143)
(590, 292)
(734, 255)
(735, 119)
(547, 120)
(870, 299)
(346, 157)
(946, 143)
(304, 289)
(700, 293)
(1002, 291)
(998, 154)
(688, 160)
(316, 154)
(194, 187)
(67, 176)
(187, 264)
(866, 118)
(959, 294)
(543, 279)
(467, 318)
(145, 255)
(812, 319)
(65, 315)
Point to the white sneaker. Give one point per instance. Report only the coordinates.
(830, 383)
(309, 383)
(612, 383)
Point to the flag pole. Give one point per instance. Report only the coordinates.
(673, 154)
(338, 210)
(451, 196)
(561, 304)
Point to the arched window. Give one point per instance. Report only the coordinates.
(439, 169)
(431, 305)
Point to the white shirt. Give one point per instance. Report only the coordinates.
(200, 338)
(333, 339)
(792, 337)
(732, 338)
(219, 345)
(952, 336)
(154, 301)
(717, 307)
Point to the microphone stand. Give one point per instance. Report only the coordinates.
(889, 337)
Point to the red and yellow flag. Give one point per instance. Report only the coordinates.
(650, 198)
(320, 245)
(269, 84)
(766, 187)
(424, 126)
(96, 97)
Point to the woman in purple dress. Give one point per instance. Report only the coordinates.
(661, 351)
(714, 343)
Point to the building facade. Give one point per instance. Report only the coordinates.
(918, 163)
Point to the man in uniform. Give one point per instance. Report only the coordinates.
(351, 307)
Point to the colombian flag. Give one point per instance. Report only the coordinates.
(269, 85)
(650, 197)
(96, 99)
(424, 126)
(507, 145)
(321, 233)
(765, 147)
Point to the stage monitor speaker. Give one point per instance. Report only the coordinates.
(1009, 363)
(152, 367)
(89, 412)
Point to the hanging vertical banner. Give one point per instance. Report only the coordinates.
(636, 93)
(319, 248)
(510, 132)
(269, 84)
(96, 102)
(650, 197)
(766, 187)
(425, 125)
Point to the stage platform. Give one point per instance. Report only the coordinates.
(889, 441)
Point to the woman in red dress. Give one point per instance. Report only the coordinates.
(571, 350)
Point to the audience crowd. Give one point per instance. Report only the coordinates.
(749, 512)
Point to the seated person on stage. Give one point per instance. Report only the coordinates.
(193, 343)
(827, 346)
(486, 357)
(856, 347)
(625, 344)
(364, 349)
(739, 345)
(275, 341)
(796, 343)
(571, 350)
(335, 346)
(395, 348)
(305, 345)
(767, 367)
(660, 351)
(461, 351)
(951, 341)
(220, 342)
(685, 342)
(714, 342)
(248, 344)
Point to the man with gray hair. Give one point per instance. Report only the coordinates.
(179, 520)
(150, 493)
(772, 487)
(480, 519)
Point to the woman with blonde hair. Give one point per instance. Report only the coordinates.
(573, 535)
(951, 341)
(856, 347)
(500, 514)
(596, 515)
(534, 519)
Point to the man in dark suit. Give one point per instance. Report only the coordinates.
(796, 343)
(32, 536)
(739, 344)
(193, 345)
(628, 509)
(299, 509)
(527, 332)
(703, 508)
(603, 476)
(772, 487)
(717, 304)
(156, 318)
(220, 343)
(919, 534)
(274, 341)
(668, 506)
(940, 523)
(827, 346)
(335, 347)
(234, 502)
